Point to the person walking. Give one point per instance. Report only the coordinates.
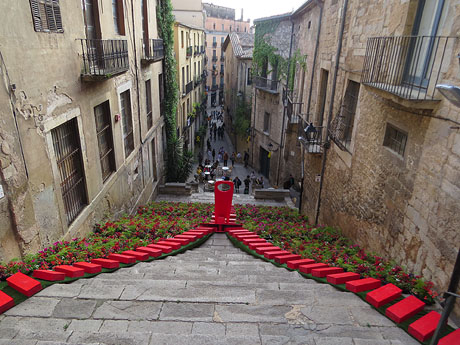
(225, 158)
(237, 183)
(213, 155)
(232, 158)
(247, 183)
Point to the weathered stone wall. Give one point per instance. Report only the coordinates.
(45, 70)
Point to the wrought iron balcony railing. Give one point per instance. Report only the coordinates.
(189, 51)
(406, 66)
(153, 50)
(266, 84)
(103, 58)
(310, 136)
(189, 87)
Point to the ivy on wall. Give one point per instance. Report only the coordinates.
(178, 161)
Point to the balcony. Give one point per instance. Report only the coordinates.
(222, 58)
(189, 88)
(310, 136)
(407, 67)
(103, 59)
(214, 58)
(152, 50)
(214, 44)
(267, 85)
(189, 52)
(204, 74)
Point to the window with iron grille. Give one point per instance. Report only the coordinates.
(105, 139)
(46, 15)
(127, 119)
(148, 103)
(67, 149)
(267, 122)
(395, 139)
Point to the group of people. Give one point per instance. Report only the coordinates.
(250, 179)
(216, 125)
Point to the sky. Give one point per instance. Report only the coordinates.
(254, 9)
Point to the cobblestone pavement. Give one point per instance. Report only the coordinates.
(214, 294)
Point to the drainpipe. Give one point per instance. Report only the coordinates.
(137, 93)
(284, 106)
(331, 109)
(309, 98)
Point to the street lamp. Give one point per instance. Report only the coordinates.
(452, 93)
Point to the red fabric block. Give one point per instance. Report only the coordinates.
(106, 263)
(272, 254)
(49, 275)
(244, 236)
(88, 267)
(124, 259)
(285, 258)
(190, 237)
(246, 241)
(24, 284)
(255, 245)
(150, 251)
(323, 272)
(164, 249)
(268, 248)
(182, 241)
(6, 302)
(198, 234)
(172, 244)
(294, 264)
(451, 339)
(363, 285)
(307, 268)
(424, 328)
(383, 295)
(404, 309)
(70, 271)
(342, 278)
(141, 256)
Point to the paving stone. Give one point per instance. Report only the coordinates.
(201, 339)
(128, 310)
(163, 327)
(371, 342)
(333, 298)
(37, 306)
(17, 342)
(85, 325)
(114, 326)
(320, 314)
(333, 341)
(74, 309)
(236, 329)
(366, 316)
(250, 313)
(110, 338)
(284, 297)
(355, 332)
(187, 311)
(101, 292)
(211, 328)
(61, 290)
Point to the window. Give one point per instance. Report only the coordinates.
(249, 76)
(161, 92)
(153, 161)
(105, 139)
(181, 39)
(221, 42)
(214, 39)
(46, 15)
(223, 27)
(214, 53)
(266, 123)
(67, 148)
(118, 17)
(183, 79)
(148, 103)
(237, 29)
(127, 118)
(214, 26)
(322, 96)
(395, 139)
(230, 28)
(350, 102)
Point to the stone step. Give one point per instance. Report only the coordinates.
(404, 309)
(24, 284)
(282, 259)
(294, 264)
(125, 259)
(307, 268)
(451, 339)
(106, 263)
(270, 255)
(88, 267)
(70, 271)
(424, 328)
(363, 285)
(150, 251)
(163, 249)
(48, 275)
(383, 295)
(6, 302)
(323, 272)
(139, 255)
(342, 278)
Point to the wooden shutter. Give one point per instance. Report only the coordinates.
(57, 15)
(34, 6)
(121, 18)
(49, 8)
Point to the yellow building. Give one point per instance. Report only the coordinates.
(190, 53)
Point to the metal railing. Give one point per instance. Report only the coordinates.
(104, 58)
(189, 87)
(341, 128)
(153, 49)
(189, 51)
(406, 66)
(214, 58)
(266, 84)
(310, 136)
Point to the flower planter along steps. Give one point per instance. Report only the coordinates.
(88, 267)
(24, 284)
(48, 275)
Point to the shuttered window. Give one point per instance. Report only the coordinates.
(46, 15)
(105, 139)
(127, 119)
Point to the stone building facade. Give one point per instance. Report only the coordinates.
(391, 178)
(81, 134)
(238, 78)
(189, 51)
(189, 12)
(220, 21)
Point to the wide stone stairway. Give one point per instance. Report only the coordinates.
(213, 294)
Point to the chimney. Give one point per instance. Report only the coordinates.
(241, 14)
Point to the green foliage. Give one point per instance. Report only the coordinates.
(178, 162)
(242, 117)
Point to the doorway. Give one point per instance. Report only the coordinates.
(264, 162)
